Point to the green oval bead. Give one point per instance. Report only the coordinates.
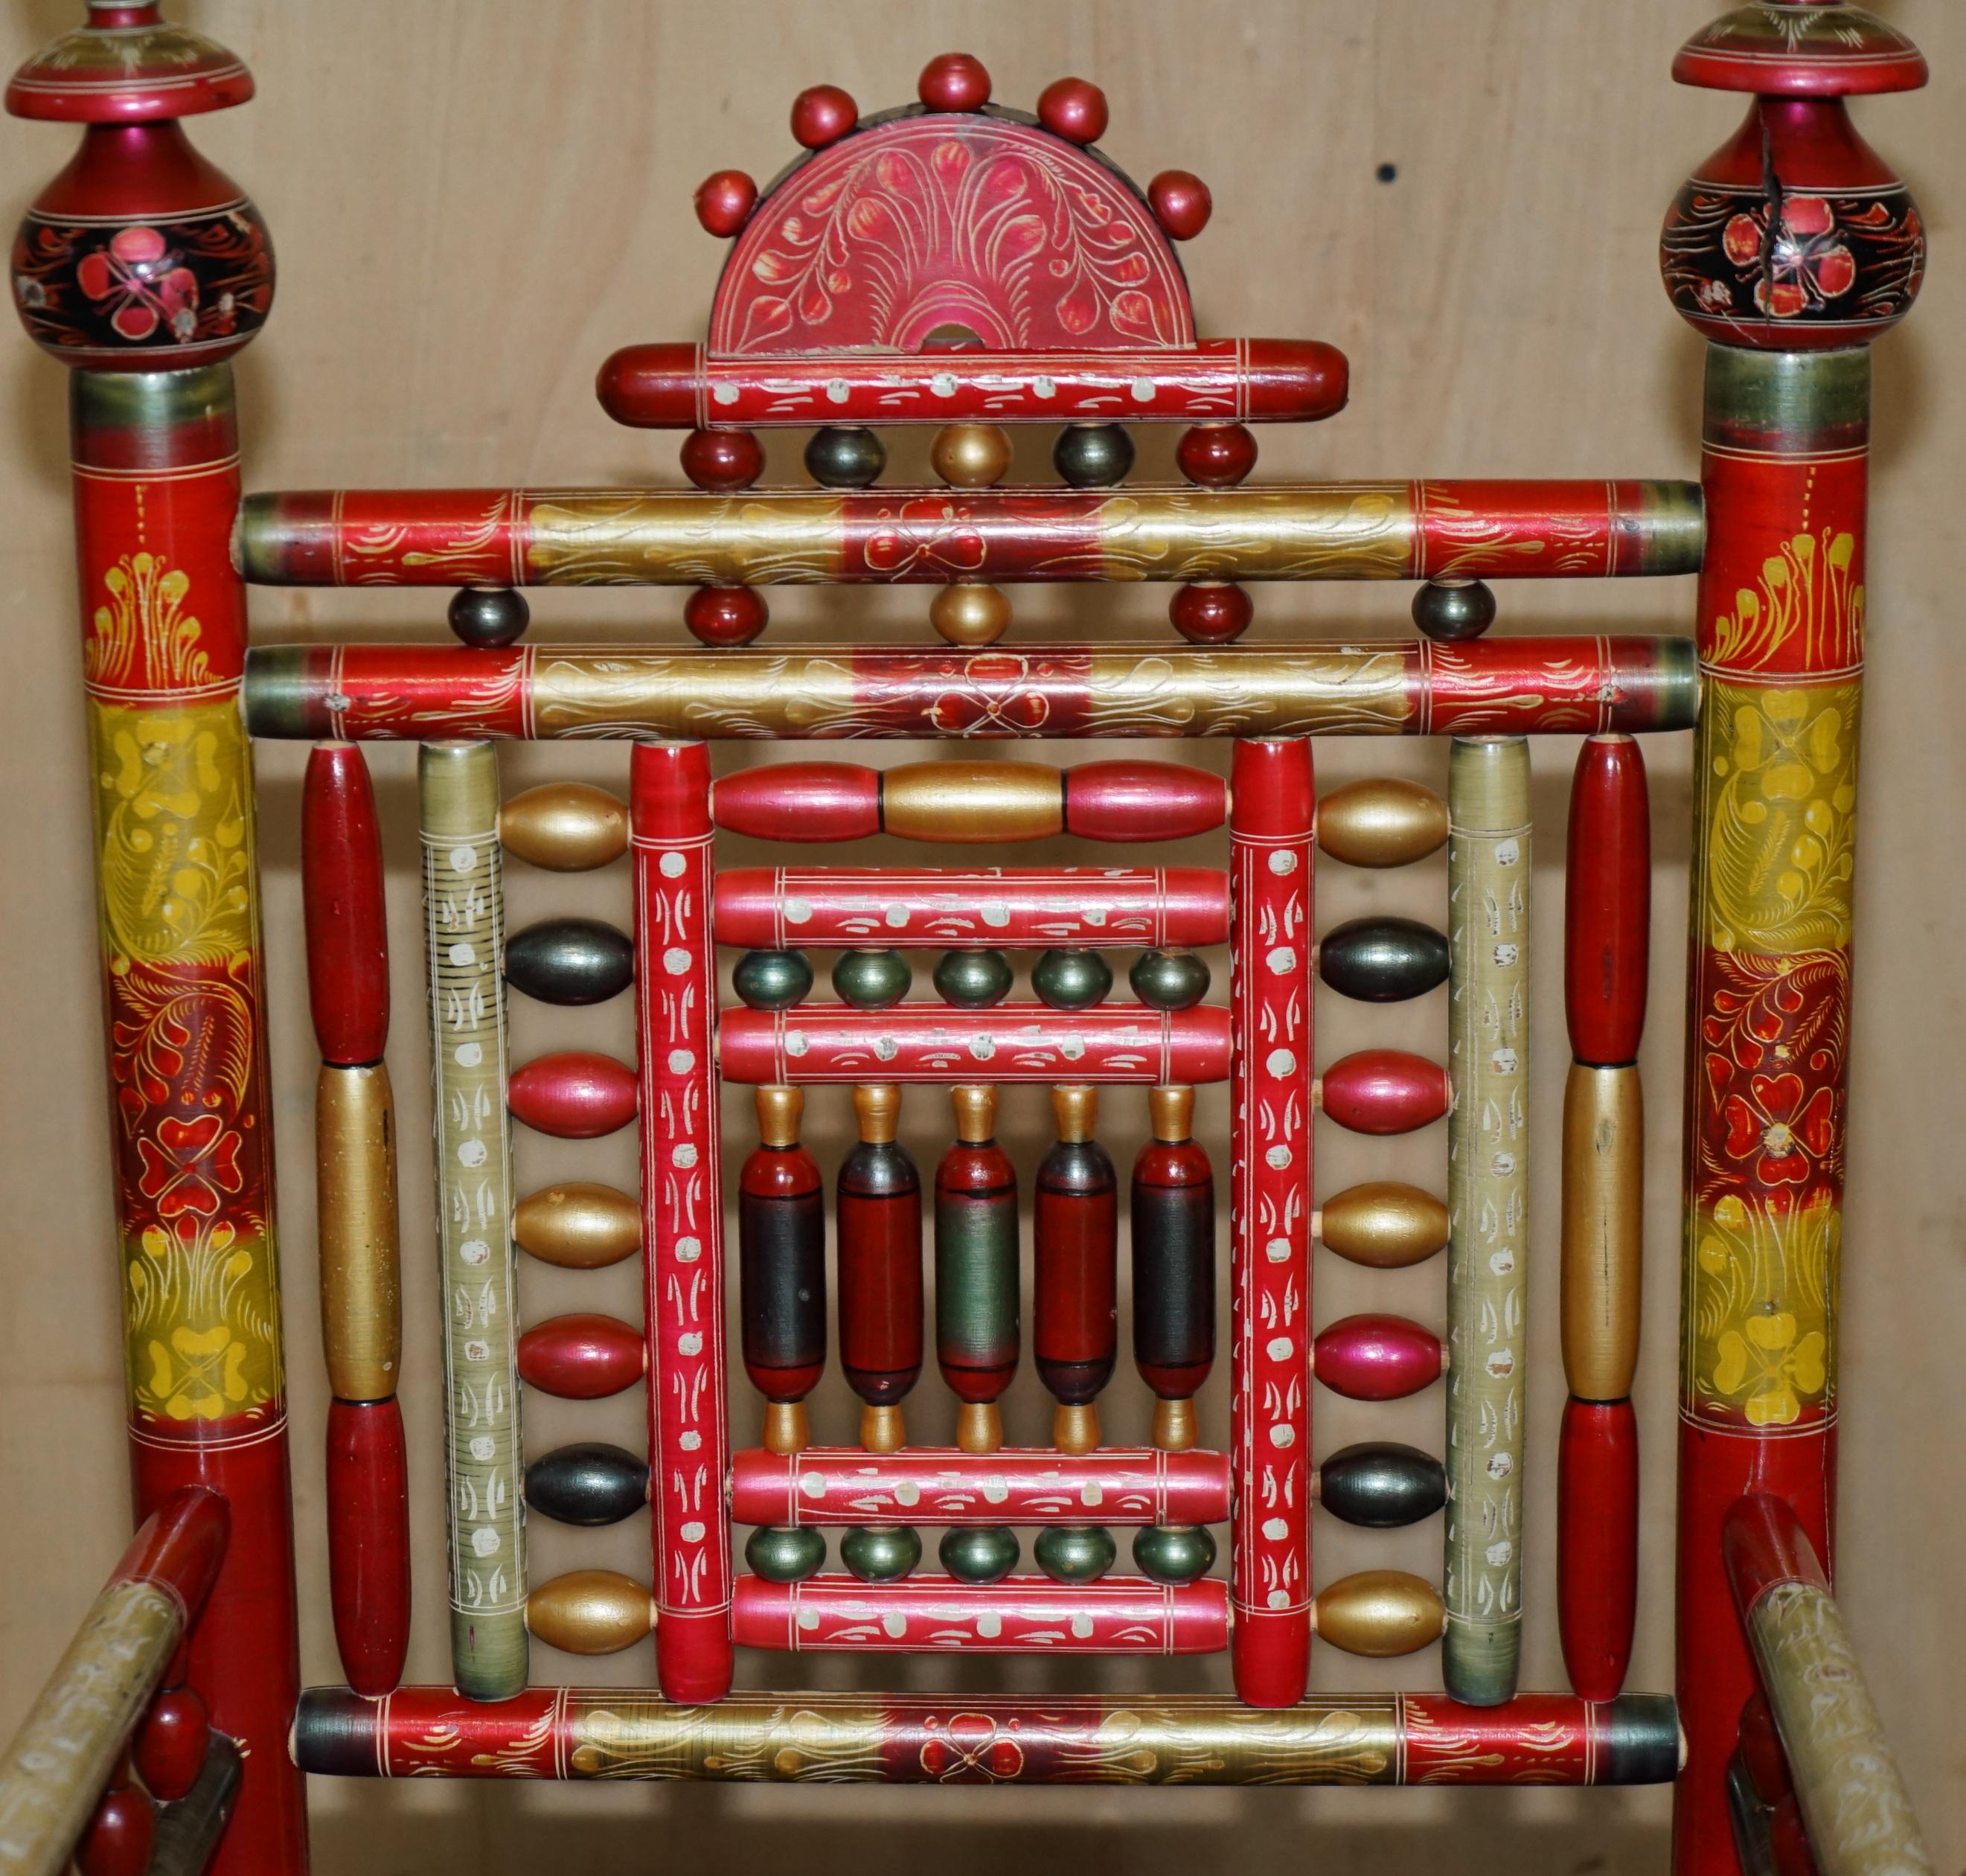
(785, 1553)
(872, 979)
(1169, 980)
(881, 1553)
(1074, 1553)
(985, 1555)
(772, 980)
(1381, 1485)
(1093, 455)
(1174, 1553)
(1071, 980)
(973, 980)
(570, 961)
(1382, 960)
(845, 456)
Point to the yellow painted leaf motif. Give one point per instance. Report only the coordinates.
(1805, 591)
(143, 637)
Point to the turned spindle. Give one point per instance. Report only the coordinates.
(781, 1268)
(878, 1218)
(977, 1304)
(1075, 1235)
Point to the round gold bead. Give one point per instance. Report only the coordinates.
(971, 456)
(970, 615)
(591, 1612)
(1378, 1613)
(566, 827)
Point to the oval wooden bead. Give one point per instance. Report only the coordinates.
(1216, 456)
(1380, 1485)
(1598, 1544)
(573, 1094)
(724, 200)
(591, 1612)
(577, 1226)
(1382, 959)
(1072, 109)
(169, 1749)
(1603, 1237)
(368, 1542)
(1376, 1358)
(581, 1357)
(565, 827)
(1143, 800)
(800, 801)
(120, 1835)
(1378, 1613)
(1383, 1224)
(822, 114)
(1384, 1091)
(344, 914)
(590, 1483)
(570, 961)
(953, 81)
(1180, 202)
(725, 615)
(721, 462)
(1381, 820)
(1607, 902)
(977, 803)
(1761, 1751)
(355, 1188)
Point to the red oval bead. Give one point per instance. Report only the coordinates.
(341, 895)
(120, 1836)
(1762, 1751)
(1607, 904)
(581, 1357)
(1071, 108)
(800, 801)
(1384, 1091)
(369, 1541)
(954, 81)
(1217, 456)
(1210, 612)
(170, 1747)
(1180, 202)
(725, 615)
(1377, 1358)
(573, 1094)
(1143, 800)
(724, 200)
(1597, 1543)
(721, 462)
(822, 115)
(1788, 1840)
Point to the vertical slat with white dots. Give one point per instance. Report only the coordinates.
(682, 1210)
(464, 932)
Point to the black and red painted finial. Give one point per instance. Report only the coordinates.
(141, 256)
(1795, 235)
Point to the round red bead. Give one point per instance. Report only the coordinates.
(723, 461)
(171, 1744)
(1069, 107)
(1210, 614)
(1216, 456)
(954, 81)
(725, 615)
(724, 201)
(120, 1836)
(1180, 202)
(822, 115)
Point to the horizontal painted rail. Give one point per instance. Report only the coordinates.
(54, 1772)
(1118, 1043)
(1020, 1615)
(1216, 381)
(944, 1486)
(933, 537)
(1855, 1805)
(925, 1739)
(1490, 686)
(901, 906)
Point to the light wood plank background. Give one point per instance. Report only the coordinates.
(473, 204)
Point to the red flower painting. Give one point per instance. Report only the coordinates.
(189, 1166)
(150, 286)
(1809, 264)
(1781, 1126)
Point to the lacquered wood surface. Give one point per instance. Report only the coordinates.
(341, 877)
(369, 1541)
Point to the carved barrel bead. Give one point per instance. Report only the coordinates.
(577, 1226)
(565, 827)
(1075, 1239)
(781, 1254)
(1173, 1230)
(977, 1281)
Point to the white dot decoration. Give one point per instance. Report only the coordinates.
(463, 859)
(908, 1493)
(996, 917)
(684, 1156)
(1281, 959)
(1082, 1627)
(724, 392)
(472, 1153)
(690, 1441)
(797, 1043)
(672, 866)
(812, 1484)
(808, 1619)
(1275, 1529)
(1277, 1598)
(691, 1532)
(1281, 1062)
(682, 1061)
(1283, 861)
(989, 1625)
(895, 1625)
(485, 1542)
(1278, 1159)
(1278, 1348)
(1277, 1250)
(995, 1491)
(690, 1343)
(1281, 1436)
(675, 960)
(474, 1251)
(468, 1055)
(689, 1250)
(896, 917)
(482, 1449)
(798, 911)
(1091, 1493)
(462, 954)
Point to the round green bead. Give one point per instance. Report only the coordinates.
(845, 456)
(772, 980)
(881, 1553)
(1173, 1553)
(1074, 1553)
(1169, 980)
(871, 980)
(1451, 611)
(973, 980)
(1093, 455)
(1071, 980)
(785, 1553)
(983, 1555)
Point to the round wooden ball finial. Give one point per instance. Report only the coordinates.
(724, 200)
(1180, 202)
(1216, 456)
(725, 615)
(845, 455)
(1072, 109)
(120, 1835)
(1450, 612)
(971, 456)
(487, 617)
(970, 614)
(822, 115)
(721, 462)
(955, 81)
(1210, 612)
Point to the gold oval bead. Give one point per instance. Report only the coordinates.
(565, 827)
(971, 456)
(591, 1612)
(1378, 1613)
(1382, 820)
(1383, 1224)
(361, 1278)
(979, 804)
(1604, 1178)
(578, 1227)
(970, 614)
